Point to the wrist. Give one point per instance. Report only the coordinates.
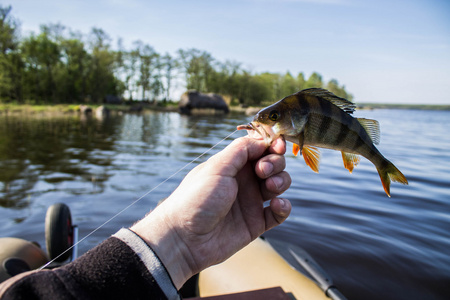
(164, 241)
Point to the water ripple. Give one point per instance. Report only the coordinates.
(373, 246)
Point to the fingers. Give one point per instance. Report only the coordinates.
(269, 165)
(277, 212)
(232, 159)
(275, 185)
(278, 146)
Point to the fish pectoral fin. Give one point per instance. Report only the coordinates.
(372, 128)
(312, 157)
(350, 160)
(295, 149)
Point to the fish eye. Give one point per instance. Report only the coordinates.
(274, 115)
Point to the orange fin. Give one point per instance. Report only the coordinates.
(312, 157)
(390, 172)
(350, 160)
(295, 149)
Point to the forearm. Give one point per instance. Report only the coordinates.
(122, 267)
(163, 240)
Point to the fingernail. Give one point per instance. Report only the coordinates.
(282, 202)
(266, 168)
(278, 181)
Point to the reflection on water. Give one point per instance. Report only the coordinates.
(47, 152)
(373, 246)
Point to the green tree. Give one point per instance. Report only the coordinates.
(131, 62)
(288, 85)
(242, 80)
(301, 82)
(169, 65)
(101, 72)
(8, 30)
(156, 86)
(148, 64)
(314, 81)
(120, 64)
(272, 82)
(41, 56)
(73, 82)
(198, 68)
(334, 87)
(49, 54)
(260, 89)
(228, 80)
(11, 66)
(55, 67)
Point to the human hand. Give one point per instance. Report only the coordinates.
(218, 208)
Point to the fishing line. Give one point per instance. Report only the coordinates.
(137, 200)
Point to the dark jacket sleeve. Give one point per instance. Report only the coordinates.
(112, 270)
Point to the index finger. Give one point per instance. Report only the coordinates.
(232, 159)
(236, 155)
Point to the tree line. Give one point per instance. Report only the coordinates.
(58, 65)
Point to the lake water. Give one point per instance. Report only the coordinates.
(374, 247)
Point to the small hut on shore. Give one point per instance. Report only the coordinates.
(193, 102)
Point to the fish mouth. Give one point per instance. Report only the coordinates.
(259, 128)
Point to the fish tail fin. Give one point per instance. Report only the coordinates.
(388, 173)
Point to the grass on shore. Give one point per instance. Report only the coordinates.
(46, 108)
(74, 108)
(69, 108)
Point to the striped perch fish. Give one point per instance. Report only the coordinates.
(315, 118)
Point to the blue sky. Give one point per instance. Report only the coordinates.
(387, 51)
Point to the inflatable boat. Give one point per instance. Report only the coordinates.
(268, 269)
(18, 255)
(265, 269)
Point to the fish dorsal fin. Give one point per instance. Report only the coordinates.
(295, 149)
(350, 160)
(372, 128)
(312, 157)
(344, 104)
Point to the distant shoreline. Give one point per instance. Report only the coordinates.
(57, 109)
(68, 109)
(403, 106)
(361, 106)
